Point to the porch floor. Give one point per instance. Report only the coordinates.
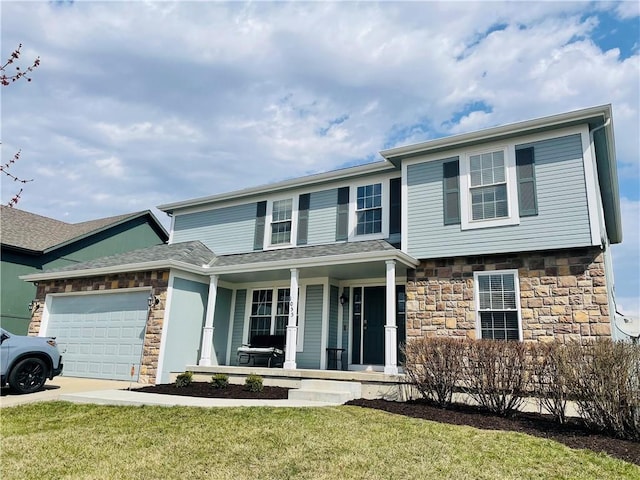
(374, 384)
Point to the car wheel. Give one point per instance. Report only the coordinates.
(28, 375)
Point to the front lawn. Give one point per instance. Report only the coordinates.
(61, 440)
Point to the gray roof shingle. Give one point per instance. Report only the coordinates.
(298, 253)
(28, 231)
(193, 253)
(197, 254)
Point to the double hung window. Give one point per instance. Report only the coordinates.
(497, 305)
(488, 186)
(369, 209)
(269, 317)
(281, 220)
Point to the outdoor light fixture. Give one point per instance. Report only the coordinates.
(33, 305)
(343, 298)
(152, 301)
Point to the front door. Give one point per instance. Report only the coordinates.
(369, 310)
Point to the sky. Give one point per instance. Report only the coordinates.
(137, 104)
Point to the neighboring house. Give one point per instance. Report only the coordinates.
(32, 243)
(502, 233)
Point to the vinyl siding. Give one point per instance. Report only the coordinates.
(562, 220)
(224, 230)
(322, 217)
(333, 317)
(310, 357)
(184, 333)
(238, 325)
(221, 323)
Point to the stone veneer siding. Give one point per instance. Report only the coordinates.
(563, 295)
(158, 282)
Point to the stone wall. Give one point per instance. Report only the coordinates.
(563, 295)
(156, 280)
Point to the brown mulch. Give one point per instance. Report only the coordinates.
(573, 434)
(206, 390)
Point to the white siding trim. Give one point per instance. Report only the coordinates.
(513, 215)
(590, 180)
(477, 298)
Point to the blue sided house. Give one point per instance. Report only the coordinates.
(502, 233)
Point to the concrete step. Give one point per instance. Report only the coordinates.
(326, 391)
(320, 396)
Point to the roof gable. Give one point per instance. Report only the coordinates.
(31, 232)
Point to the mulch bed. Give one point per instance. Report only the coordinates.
(205, 390)
(573, 434)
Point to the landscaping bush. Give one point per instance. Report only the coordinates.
(254, 383)
(605, 379)
(550, 377)
(434, 367)
(184, 379)
(495, 374)
(220, 380)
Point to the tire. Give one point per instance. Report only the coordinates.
(28, 375)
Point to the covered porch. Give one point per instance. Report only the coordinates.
(339, 308)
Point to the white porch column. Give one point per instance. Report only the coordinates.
(390, 328)
(207, 330)
(292, 325)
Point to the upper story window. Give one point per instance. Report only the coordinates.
(369, 209)
(281, 221)
(488, 189)
(488, 186)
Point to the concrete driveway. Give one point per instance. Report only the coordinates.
(60, 386)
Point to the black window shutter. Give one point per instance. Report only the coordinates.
(451, 192)
(258, 237)
(395, 205)
(525, 168)
(342, 218)
(303, 218)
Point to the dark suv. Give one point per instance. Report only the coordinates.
(27, 362)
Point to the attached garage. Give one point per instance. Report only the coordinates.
(101, 334)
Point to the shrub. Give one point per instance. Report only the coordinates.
(434, 367)
(549, 377)
(495, 374)
(254, 383)
(220, 380)
(184, 379)
(605, 379)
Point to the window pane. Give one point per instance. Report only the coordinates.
(498, 309)
(369, 209)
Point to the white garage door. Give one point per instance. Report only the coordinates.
(100, 335)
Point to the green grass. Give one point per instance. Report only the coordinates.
(60, 440)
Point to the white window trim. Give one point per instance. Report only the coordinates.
(476, 294)
(513, 216)
(302, 291)
(294, 223)
(353, 216)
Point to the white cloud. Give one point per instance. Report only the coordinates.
(137, 104)
(111, 167)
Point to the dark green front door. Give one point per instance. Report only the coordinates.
(373, 325)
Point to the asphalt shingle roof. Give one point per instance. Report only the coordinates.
(297, 253)
(29, 231)
(197, 254)
(193, 253)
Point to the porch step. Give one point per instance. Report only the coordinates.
(327, 391)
